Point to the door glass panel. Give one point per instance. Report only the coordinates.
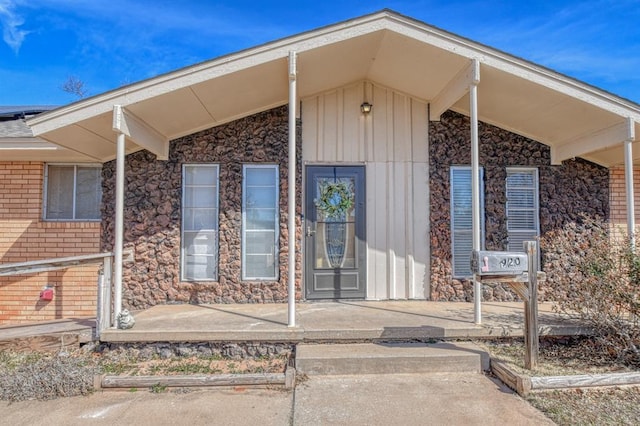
(335, 245)
(335, 240)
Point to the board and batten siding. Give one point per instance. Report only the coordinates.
(392, 143)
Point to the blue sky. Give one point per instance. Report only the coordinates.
(107, 44)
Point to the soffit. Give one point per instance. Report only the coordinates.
(385, 48)
(35, 149)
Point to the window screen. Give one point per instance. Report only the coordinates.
(73, 192)
(199, 222)
(260, 222)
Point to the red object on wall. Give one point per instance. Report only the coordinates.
(46, 294)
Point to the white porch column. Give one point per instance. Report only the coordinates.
(628, 180)
(292, 190)
(119, 219)
(475, 184)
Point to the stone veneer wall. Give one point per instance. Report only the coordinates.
(566, 191)
(153, 210)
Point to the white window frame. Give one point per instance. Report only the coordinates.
(536, 206)
(183, 247)
(45, 191)
(466, 273)
(276, 231)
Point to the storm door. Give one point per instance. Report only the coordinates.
(335, 232)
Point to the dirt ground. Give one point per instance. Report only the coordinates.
(569, 356)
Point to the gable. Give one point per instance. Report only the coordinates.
(395, 51)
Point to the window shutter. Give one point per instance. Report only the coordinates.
(461, 220)
(522, 207)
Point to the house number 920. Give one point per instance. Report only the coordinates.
(510, 262)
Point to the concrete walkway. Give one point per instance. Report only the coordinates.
(335, 321)
(406, 399)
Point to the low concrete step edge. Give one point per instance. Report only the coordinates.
(337, 359)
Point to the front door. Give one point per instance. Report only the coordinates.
(335, 258)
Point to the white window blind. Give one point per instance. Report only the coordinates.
(461, 223)
(260, 222)
(199, 249)
(73, 192)
(523, 222)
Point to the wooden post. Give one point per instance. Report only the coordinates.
(531, 308)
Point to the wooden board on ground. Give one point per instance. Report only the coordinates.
(43, 343)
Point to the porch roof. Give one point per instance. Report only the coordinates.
(17, 142)
(435, 66)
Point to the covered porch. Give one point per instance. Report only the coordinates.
(439, 71)
(336, 321)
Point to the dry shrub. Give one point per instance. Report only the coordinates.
(596, 277)
(43, 376)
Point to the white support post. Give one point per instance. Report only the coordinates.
(119, 219)
(292, 190)
(628, 179)
(475, 185)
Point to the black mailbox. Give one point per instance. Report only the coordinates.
(501, 263)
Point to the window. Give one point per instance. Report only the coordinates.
(523, 222)
(260, 222)
(461, 225)
(199, 222)
(72, 192)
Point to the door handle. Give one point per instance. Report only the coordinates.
(310, 231)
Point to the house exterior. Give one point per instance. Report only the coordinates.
(27, 232)
(332, 164)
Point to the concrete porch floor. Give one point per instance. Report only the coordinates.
(335, 321)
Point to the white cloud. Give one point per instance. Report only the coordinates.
(11, 22)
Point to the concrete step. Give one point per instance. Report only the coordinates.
(390, 358)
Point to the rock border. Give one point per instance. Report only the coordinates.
(524, 384)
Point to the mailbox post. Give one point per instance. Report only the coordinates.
(520, 271)
(531, 309)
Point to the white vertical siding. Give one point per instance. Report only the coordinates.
(393, 144)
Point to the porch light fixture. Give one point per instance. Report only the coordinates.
(365, 107)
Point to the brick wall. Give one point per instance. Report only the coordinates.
(24, 236)
(618, 197)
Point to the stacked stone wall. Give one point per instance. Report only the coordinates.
(566, 191)
(153, 213)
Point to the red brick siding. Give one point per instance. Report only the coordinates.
(24, 236)
(618, 197)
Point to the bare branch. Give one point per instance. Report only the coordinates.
(74, 86)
